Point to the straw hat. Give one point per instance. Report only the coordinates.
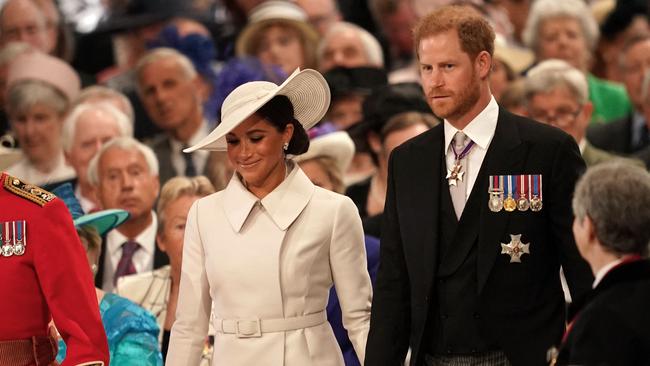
(45, 68)
(273, 11)
(337, 146)
(307, 90)
(517, 58)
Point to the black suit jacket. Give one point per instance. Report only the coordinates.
(616, 137)
(613, 328)
(162, 147)
(521, 305)
(160, 259)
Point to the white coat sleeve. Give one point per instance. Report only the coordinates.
(350, 274)
(194, 302)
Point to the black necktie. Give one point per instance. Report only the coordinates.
(190, 168)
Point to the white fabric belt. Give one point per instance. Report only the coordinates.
(250, 328)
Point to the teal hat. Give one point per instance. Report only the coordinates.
(103, 221)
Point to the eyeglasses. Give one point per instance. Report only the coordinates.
(561, 118)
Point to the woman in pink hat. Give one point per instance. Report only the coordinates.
(39, 91)
(264, 252)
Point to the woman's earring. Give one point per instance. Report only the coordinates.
(285, 147)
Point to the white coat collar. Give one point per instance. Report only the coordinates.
(283, 204)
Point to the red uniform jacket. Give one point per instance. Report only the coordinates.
(51, 279)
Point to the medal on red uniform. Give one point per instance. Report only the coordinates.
(19, 237)
(495, 203)
(509, 204)
(522, 201)
(536, 200)
(14, 241)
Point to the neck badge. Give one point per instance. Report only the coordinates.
(455, 174)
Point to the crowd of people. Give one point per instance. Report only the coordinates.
(323, 182)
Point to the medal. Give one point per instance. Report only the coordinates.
(536, 200)
(509, 204)
(522, 201)
(495, 203)
(515, 249)
(19, 237)
(7, 248)
(455, 174)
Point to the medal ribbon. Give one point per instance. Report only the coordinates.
(507, 188)
(523, 188)
(7, 233)
(513, 180)
(540, 186)
(536, 185)
(463, 153)
(19, 231)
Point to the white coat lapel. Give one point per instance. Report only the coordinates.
(287, 201)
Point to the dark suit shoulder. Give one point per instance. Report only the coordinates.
(158, 141)
(612, 136)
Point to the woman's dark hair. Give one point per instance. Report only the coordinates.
(279, 112)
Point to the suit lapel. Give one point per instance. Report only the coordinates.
(506, 155)
(424, 203)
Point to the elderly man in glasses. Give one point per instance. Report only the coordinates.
(558, 94)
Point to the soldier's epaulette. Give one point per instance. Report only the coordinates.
(28, 191)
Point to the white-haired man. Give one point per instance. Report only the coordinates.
(348, 45)
(558, 94)
(170, 90)
(613, 327)
(85, 130)
(125, 175)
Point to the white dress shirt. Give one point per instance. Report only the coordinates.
(481, 131)
(142, 258)
(199, 157)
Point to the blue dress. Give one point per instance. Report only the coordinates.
(334, 307)
(132, 333)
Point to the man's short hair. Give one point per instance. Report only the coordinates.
(70, 123)
(616, 197)
(371, 45)
(163, 53)
(105, 93)
(124, 143)
(550, 74)
(474, 32)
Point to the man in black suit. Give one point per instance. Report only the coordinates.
(124, 173)
(470, 259)
(629, 135)
(172, 94)
(612, 208)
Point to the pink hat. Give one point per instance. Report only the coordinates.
(51, 70)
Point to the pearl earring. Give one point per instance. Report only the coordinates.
(285, 147)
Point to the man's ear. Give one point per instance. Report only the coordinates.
(483, 64)
(161, 243)
(590, 229)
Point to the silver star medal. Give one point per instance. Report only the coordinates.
(515, 249)
(455, 175)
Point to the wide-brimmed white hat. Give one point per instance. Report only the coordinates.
(337, 146)
(307, 90)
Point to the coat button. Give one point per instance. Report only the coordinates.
(477, 316)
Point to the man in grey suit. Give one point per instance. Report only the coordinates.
(172, 95)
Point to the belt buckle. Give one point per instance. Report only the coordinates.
(249, 328)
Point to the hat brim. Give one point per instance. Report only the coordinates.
(103, 221)
(243, 45)
(307, 90)
(337, 146)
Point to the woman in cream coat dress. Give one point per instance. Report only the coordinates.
(264, 252)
